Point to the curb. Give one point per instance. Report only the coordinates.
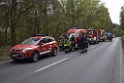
(1, 62)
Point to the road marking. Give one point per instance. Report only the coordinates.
(48, 66)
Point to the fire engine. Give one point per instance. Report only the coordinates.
(93, 35)
(102, 35)
(76, 32)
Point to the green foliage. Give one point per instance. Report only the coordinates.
(121, 30)
(51, 17)
(122, 17)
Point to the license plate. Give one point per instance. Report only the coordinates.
(15, 55)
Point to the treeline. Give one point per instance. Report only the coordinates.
(121, 29)
(19, 19)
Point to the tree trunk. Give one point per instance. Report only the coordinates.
(46, 19)
(12, 25)
(13, 35)
(5, 40)
(0, 38)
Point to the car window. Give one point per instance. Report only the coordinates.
(44, 40)
(94, 32)
(69, 35)
(90, 32)
(50, 39)
(30, 41)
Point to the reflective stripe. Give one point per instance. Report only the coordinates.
(45, 52)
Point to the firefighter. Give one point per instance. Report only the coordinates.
(72, 39)
(61, 42)
(67, 45)
(62, 37)
(83, 43)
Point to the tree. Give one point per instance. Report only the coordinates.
(122, 17)
(20, 19)
(16, 11)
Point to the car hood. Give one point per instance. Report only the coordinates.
(22, 46)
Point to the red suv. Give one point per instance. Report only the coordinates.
(33, 47)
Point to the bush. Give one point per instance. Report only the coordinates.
(4, 53)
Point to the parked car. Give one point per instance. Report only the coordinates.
(34, 47)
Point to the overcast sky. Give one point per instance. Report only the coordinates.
(114, 7)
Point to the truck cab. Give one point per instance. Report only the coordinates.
(76, 33)
(93, 35)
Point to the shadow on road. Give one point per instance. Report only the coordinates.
(28, 61)
(122, 39)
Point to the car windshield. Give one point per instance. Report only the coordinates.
(90, 32)
(69, 35)
(30, 41)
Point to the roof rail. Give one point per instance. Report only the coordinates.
(75, 28)
(39, 35)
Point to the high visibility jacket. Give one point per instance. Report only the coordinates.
(61, 42)
(67, 42)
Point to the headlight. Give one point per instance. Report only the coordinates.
(94, 38)
(26, 50)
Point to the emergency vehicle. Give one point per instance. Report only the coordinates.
(93, 35)
(76, 33)
(34, 47)
(102, 35)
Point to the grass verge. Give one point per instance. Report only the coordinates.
(4, 53)
(122, 39)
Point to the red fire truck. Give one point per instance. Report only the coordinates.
(102, 35)
(76, 33)
(94, 35)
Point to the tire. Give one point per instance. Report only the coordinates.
(96, 42)
(54, 52)
(66, 51)
(35, 57)
(15, 60)
(86, 49)
(81, 50)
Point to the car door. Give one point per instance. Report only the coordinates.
(43, 46)
(50, 47)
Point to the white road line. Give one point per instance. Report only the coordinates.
(50, 65)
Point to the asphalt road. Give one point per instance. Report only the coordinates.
(103, 63)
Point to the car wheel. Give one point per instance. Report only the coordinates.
(15, 60)
(54, 53)
(35, 56)
(86, 49)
